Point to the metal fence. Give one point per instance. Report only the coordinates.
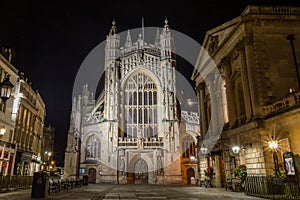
(272, 187)
(8, 183)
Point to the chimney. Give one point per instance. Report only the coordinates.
(8, 53)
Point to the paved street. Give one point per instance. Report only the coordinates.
(133, 192)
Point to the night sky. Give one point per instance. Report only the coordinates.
(52, 39)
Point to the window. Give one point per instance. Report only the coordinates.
(93, 148)
(82, 170)
(2, 106)
(188, 146)
(141, 106)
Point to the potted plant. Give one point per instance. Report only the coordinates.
(209, 173)
(241, 172)
(280, 172)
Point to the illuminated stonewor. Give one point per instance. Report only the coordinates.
(256, 54)
(131, 133)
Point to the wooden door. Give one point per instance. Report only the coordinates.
(92, 175)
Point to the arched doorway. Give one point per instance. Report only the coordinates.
(190, 173)
(141, 172)
(92, 175)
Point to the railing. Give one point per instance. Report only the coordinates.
(272, 188)
(8, 183)
(293, 99)
(63, 185)
(152, 142)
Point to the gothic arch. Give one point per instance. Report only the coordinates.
(132, 162)
(91, 146)
(188, 145)
(149, 73)
(190, 172)
(90, 134)
(141, 102)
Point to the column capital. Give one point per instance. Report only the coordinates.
(201, 86)
(239, 45)
(224, 61)
(248, 39)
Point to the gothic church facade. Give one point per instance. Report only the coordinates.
(131, 133)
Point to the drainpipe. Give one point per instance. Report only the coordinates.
(291, 38)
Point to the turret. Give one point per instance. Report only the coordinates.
(112, 47)
(128, 42)
(166, 42)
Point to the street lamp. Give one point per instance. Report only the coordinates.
(5, 92)
(47, 163)
(192, 158)
(5, 89)
(273, 144)
(236, 149)
(204, 150)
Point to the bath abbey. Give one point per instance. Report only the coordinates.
(135, 131)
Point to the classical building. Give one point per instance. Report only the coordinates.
(29, 117)
(132, 132)
(256, 55)
(7, 122)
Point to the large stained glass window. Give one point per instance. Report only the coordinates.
(140, 106)
(93, 148)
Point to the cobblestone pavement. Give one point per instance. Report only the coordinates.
(133, 192)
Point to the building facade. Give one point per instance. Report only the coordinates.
(256, 55)
(28, 137)
(131, 133)
(7, 122)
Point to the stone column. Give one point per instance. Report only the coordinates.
(203, 109)
(245, 81)
(250, 65)
(229, 91)
(211, 85)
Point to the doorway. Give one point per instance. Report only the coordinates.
(92, 175)
(140, 172)
(190, 173)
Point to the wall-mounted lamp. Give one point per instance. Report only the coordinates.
(192, 158)
(5, 89)
(273, 144)
(204, 150)
(2, 131)
(236, 149)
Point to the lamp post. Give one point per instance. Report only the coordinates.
(5, 93)
(273, 144)
(48, 155)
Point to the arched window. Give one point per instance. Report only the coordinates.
(140, 106)
(93, 148)
(188, 147)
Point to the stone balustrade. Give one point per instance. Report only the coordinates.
(286, 103)
(152, 142)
